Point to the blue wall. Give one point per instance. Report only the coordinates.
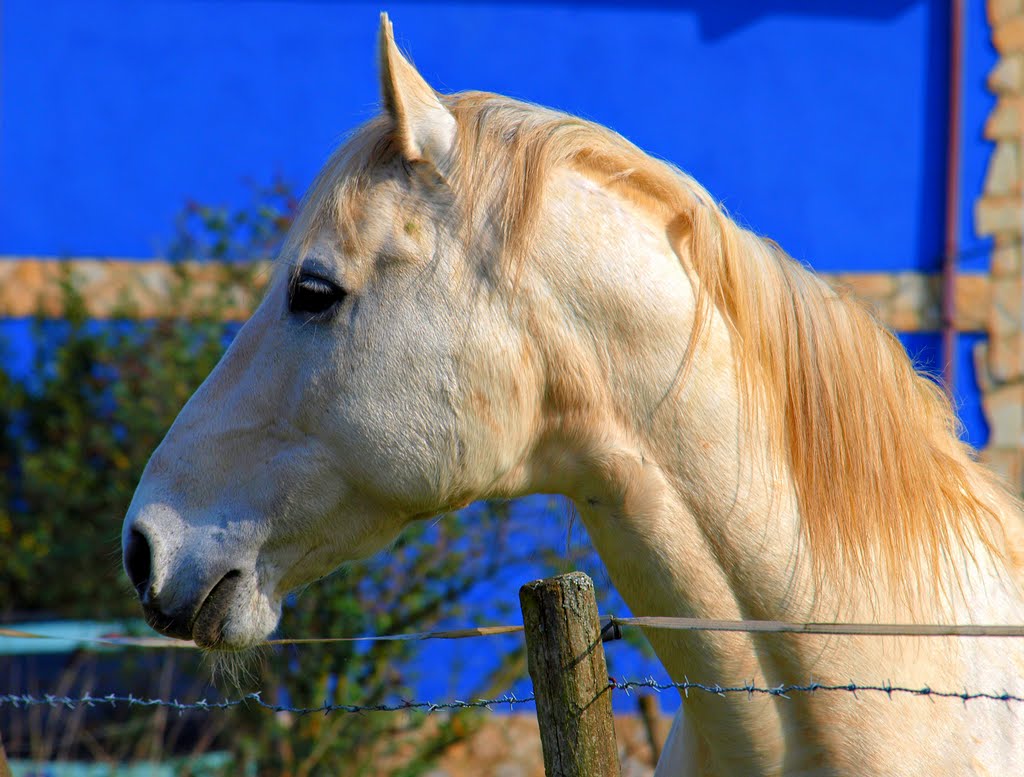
(821, 124)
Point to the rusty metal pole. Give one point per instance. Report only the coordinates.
(570, 677)
(649, 714)
(951, 244)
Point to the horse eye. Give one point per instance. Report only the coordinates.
(312, 294)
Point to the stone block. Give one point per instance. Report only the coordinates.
(915, 303)
(1008, 35)
(873, 287)
(909, 319)
(1004, 409)
(1005, 121)
(1007, 77)
(1006, 314)
(1003, 175)
(1006, 258)
(1006, 358)
(980, 357)
(994, 215)
(1001, 10)
(972, 297)
(874, 292)
(28, 285)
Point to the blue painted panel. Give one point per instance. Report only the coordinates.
(820, 124)
(979, 59)
(17, 350)
(925, 350)
(967, 395)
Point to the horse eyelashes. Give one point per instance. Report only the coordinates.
(313, 294)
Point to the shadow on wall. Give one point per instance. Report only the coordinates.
(720, 18)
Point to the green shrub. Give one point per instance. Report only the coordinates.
(75, 439)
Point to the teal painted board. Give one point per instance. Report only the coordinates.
(208, 765)
(64, 636)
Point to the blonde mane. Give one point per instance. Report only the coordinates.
(873, 448)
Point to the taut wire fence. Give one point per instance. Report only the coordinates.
(572, 689)
(607, 621)
(610, 628)
(509, 699)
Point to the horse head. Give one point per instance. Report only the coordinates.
(357, 398)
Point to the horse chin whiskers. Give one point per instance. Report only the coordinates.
(236, 670)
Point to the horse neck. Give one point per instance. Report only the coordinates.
(664, 474)
(688, 521)
(681, 496)
(658, 442)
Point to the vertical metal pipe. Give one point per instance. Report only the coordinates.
(952, 237)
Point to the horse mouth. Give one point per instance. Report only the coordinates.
(208, 626)
(174, 626)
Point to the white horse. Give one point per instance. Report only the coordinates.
(482, 298)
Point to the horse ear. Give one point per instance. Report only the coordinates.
(424, 128)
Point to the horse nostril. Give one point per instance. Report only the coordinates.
(137, 561)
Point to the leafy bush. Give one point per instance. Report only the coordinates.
(76, 438)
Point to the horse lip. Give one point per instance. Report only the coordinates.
(176, 625)
(208, 627)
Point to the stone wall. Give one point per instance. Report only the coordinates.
(905, 301)
(999, 212)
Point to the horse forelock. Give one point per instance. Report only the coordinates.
(873, 448)
(334, 198)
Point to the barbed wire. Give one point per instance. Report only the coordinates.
(783, 691)
(19, 701)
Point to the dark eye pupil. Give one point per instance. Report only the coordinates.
(312, 294)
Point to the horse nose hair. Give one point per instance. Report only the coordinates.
(138, 562)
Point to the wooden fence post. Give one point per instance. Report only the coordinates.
(5, 768)
(570, 677)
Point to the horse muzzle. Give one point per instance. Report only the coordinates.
(183, 607)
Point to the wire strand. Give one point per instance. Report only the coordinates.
(19, 701)
(678, 624)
